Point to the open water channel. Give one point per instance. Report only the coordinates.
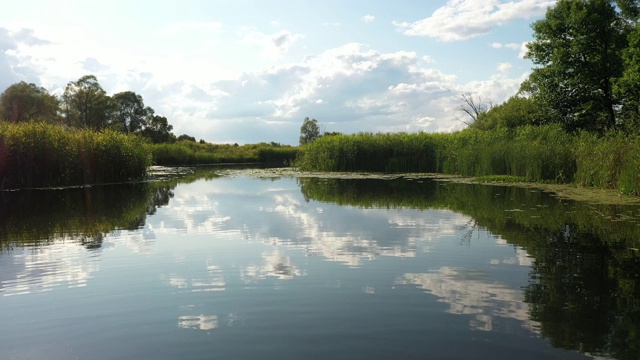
(224, 264)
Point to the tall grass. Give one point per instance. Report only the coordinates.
(534, 153)
(611, 161)
(41, 155)
(192, 153)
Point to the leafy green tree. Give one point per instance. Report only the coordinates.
(186, 137)
(158, 130)
(130, 113)
(577, 48)
(86, 104)
(630, 9)
(517, 111)
(23, 102)
(309, 131)
(628, 86)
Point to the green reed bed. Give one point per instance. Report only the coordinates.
(392, 152)
(42, 155)
(192, 153)
(535, 153)
(611, 161)
(532, 153)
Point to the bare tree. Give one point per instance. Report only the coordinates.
(473, 106)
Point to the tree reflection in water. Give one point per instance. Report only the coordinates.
(584, 287)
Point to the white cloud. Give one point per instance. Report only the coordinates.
(498, 88)
(360, 89)
(272, 45)
(368, 18)
(14, 66)
(504, 68)
(523, 49)
(512, 46)
(349, 88)
(464, 19)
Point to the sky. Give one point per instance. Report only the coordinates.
(249, 71)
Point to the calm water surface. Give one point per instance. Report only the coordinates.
(236, 267)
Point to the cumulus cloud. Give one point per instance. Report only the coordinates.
(273, 45)
(464, 19)
(349, 87)
(368, 18)
(512, 46)
(524, 48)
(499, 87)
(15, 67)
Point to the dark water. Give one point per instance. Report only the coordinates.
(218, 267)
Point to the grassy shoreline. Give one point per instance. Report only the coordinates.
(542, 154)
(42, 155)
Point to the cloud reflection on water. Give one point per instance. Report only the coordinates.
(470, 292)
(40, 269)
(274, 265)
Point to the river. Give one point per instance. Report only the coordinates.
(220, 264)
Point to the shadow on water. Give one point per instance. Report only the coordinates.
(584, 284)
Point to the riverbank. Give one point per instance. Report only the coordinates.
(43, 155)
(541, 154)
(567, 191)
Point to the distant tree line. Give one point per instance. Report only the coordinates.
(586, 75)
(85, 104)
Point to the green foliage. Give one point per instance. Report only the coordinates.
(515, 112)
(531, 153)
(309, 131)
(392, 152)
(535, 153)
(612, 161)
(44, 155)
(191, 153)
(158, 130)
(28, 102)
(500, 179)
(628, 86)
(130, 113)
(86, 104)
(578, 48)
(188, 138)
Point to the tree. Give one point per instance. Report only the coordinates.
(158, 130)
(630, 9)
(23, 102)
(309, 131)
(474, 107)
(86, 104)
(130, 113)
(577, 48)
(628, 86)
(517, 111)
(186, 137)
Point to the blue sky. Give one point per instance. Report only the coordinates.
(246, 71)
